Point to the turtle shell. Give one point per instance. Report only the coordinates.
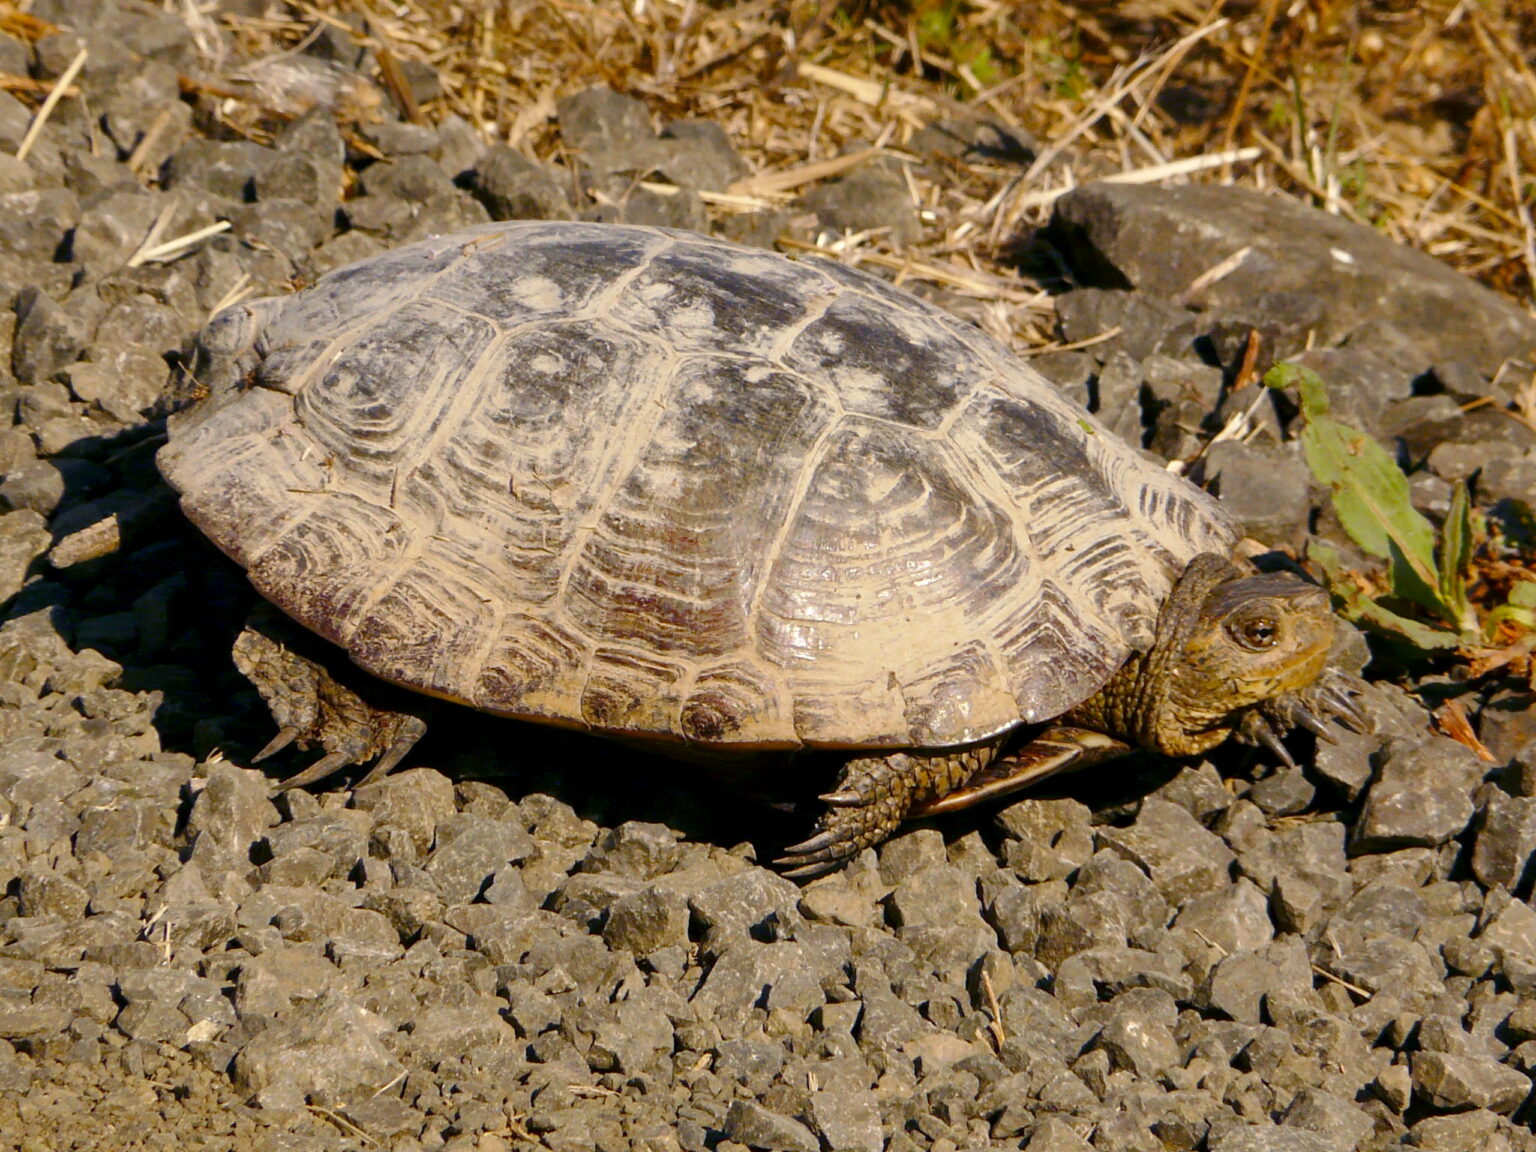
(662, 486)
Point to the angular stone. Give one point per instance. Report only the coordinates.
(412, 801)
(269, 984)
(1233, 918)
(1509, 925)
(1238, 984)
(1056, 1134)
(24, 537)
(1422, 796)
(1239, 1137)
(846, 1113)
(630, 1037)
(1506, 840)
(753, 904)
(699, 154)
(647, 920)
(469, 849)
(1451, 1082)
(1341, 1122)
(636, 849)
(513, 187)
(751, 1124)
(329, 1057)
(1140, 1045)
(231, 813)
(1161, 239)
(34, 222)
(48, 337)
(871, 197)
(1181, 856)
(440, 1033)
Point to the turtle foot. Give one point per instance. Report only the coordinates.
(870, 802)
(874, 795)
(1331, 700)
(312, 707)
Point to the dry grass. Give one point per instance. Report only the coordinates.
(1418, 119)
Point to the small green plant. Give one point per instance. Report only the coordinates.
(940, 30)
(1426, 602)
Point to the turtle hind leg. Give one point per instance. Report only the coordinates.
(874, 795)
(312, 706)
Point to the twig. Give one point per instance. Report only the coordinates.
(1085, 342)
(994, 1009)
(177, 247)
(769, 182)
(1149, 175)
(50, 102)
(1522, 206)
(966, 279)
(1363, 993)
(1240, 105)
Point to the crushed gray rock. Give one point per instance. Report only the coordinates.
(510, 942)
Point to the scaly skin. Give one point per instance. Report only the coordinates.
(1232, 653)
(312, 706)
(875, 794)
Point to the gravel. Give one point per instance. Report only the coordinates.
(524, 938)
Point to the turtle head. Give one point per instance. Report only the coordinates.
(1236, 643)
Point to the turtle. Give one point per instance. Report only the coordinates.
(707, 498)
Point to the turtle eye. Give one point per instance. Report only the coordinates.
(1256, 633)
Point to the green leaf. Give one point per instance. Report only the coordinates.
(1456, 558)
(1519, 609)
(1424, 636)
(1370, 497)
(1354, 606)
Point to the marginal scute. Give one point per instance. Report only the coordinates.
(629, 692)
(425, 631)
(668, 487)
(1049, 645)
(531, 668)
(945, 700)
(736, 704)
(321, 567)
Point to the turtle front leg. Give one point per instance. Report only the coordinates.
(312, 706)
(1061, 748)
(874, 795)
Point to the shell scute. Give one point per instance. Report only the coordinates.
(719, 298)
(327, 564)
(675, 560)
(884, 363)
(518, 274)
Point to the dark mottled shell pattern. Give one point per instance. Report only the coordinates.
(654, 484)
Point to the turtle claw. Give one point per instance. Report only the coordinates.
(315, 702)
(329, 763)
(820, 854)
(412, 729)
(285, 736)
